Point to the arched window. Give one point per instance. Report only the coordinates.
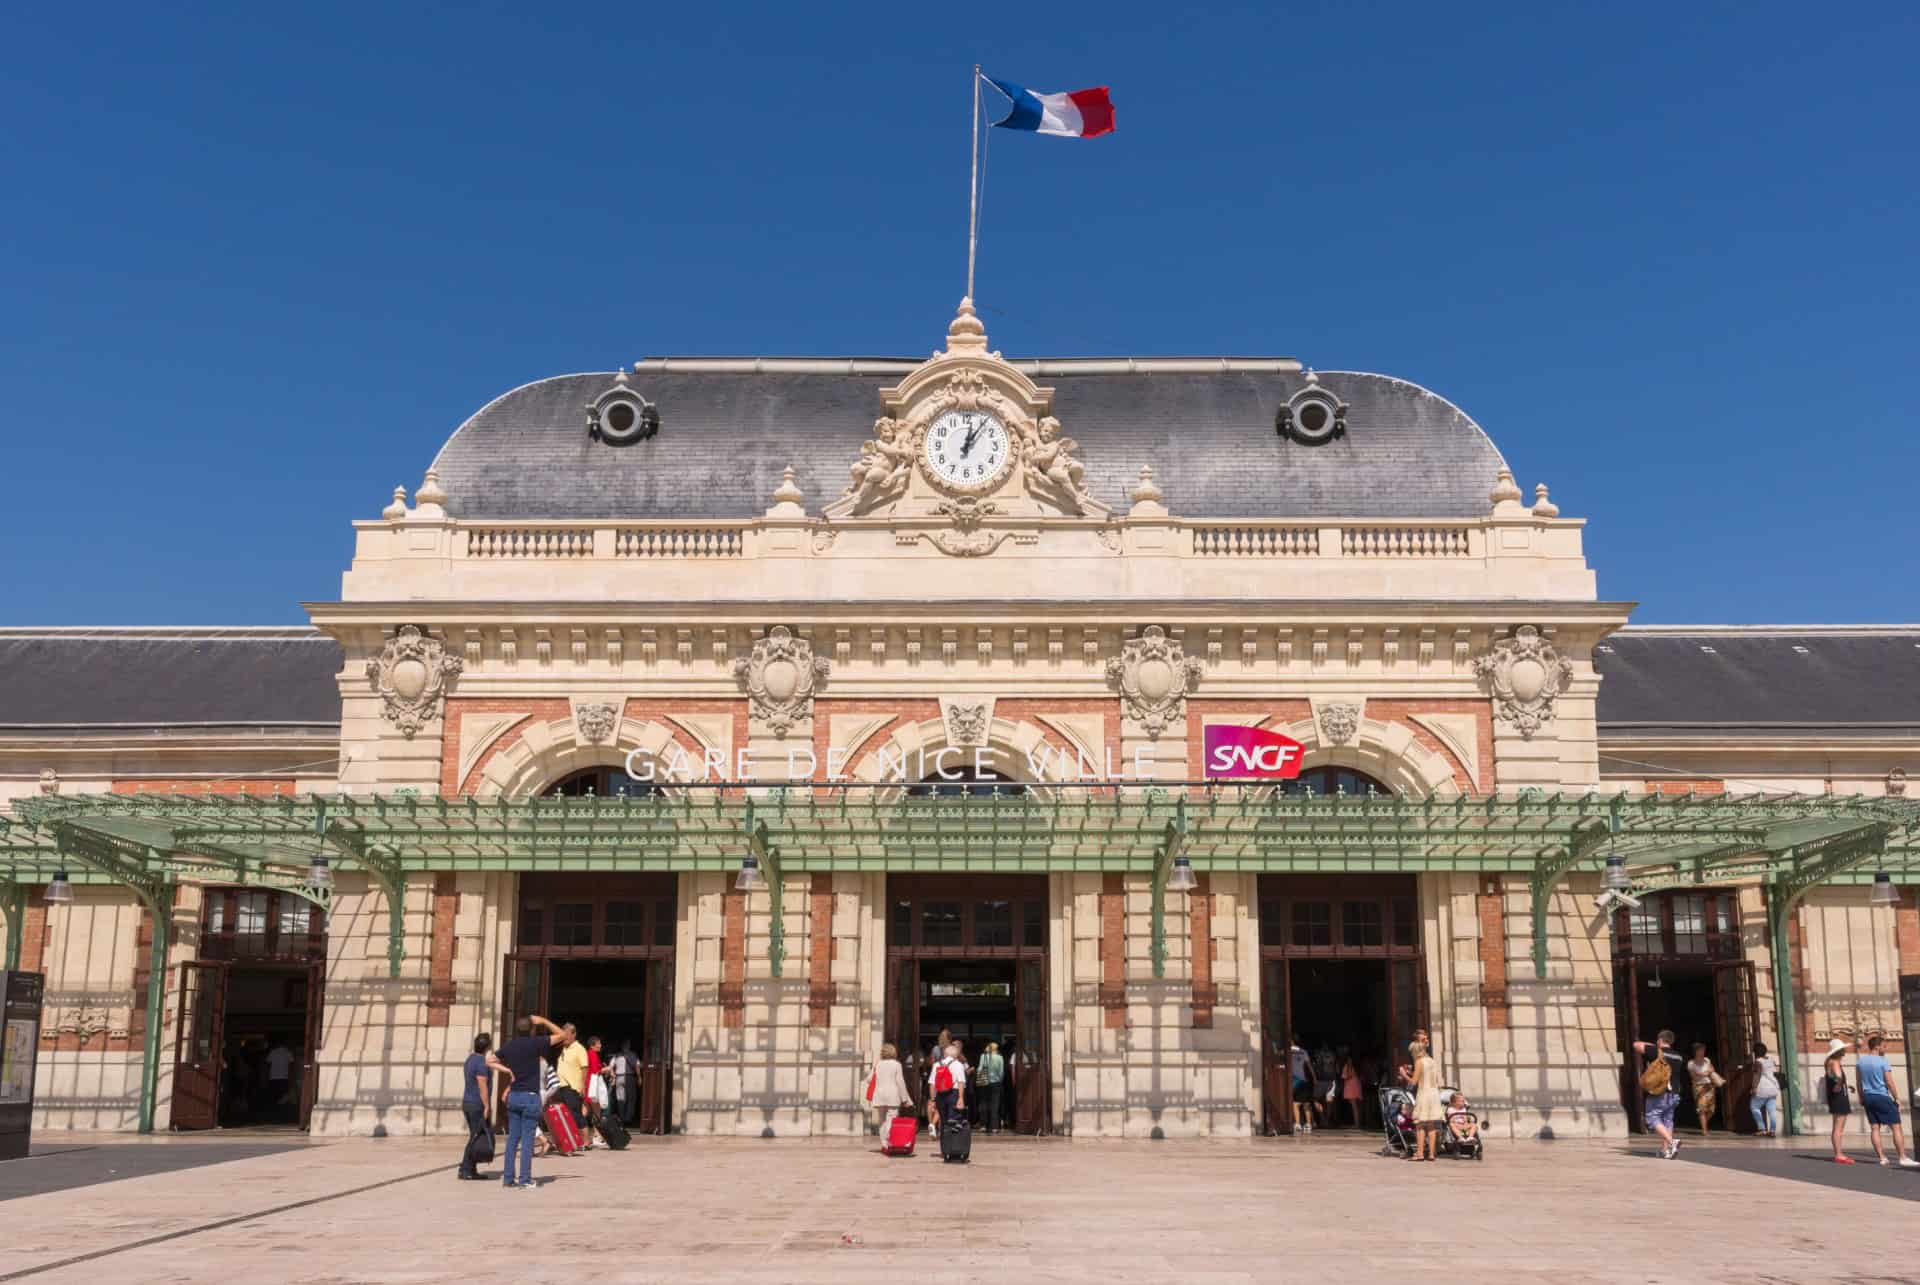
(967, 780)
(1335, 780)
(603, 782)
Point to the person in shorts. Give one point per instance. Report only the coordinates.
(1882, 1109)
(1661, 1104)
(1834, 1087)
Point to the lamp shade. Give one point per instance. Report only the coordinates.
(1884, 893)
(1616, 878)
(1180, 878)
(320, 874)
(750, 879)
(59, 892)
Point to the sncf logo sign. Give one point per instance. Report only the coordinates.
(1250, 751)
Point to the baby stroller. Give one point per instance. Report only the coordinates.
(1396, 1118)
(1474, 1148)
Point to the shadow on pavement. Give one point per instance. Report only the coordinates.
(1815, 1167)
(65, 1167)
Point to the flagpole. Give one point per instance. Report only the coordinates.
(973, 198)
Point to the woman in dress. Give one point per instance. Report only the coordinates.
(889, 1083)
(1428, 1112)
(1706, 1086)
(1350, 1086)
(1834, 1083)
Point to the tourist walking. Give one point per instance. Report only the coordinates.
(1350, 1086)
(572, 1070)
(1300, 1073)
(949, 1083)
(887, 1087)
(1706, 1086)
(523, 1056)
(626, 1082)
(1878, 1102)
(1659, 1083)
(1765, 1102)
(1429, 1113)
(1834, 1087)
(476, 1103)
(279, 1073)
(990, 1076)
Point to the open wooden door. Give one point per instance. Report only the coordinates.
(656, 1058)
(524, 993)
(1031, 1080)
(1276, 1084)
(1736, 1010)
(200, 1048)
(1626, 1025)
(310, 1047)
(903, 1027)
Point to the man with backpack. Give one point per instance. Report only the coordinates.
(1657, 1079)
(950, 1084)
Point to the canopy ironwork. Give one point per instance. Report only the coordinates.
(149, 843)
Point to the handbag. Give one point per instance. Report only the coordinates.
(873, 1078)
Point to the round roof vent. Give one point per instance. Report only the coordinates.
(620, 415)
(1313, 416)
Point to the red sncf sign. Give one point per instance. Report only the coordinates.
(1250, 751)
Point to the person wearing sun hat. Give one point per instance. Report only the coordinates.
(1833, 1082)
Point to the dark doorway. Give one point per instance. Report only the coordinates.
(969, 953)
(1342, 976)
(1679, 965)
(250, 1010)
(597, 950)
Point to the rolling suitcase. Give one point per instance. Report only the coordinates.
(902, 1133)
(956, 1141)
(563, 1129)
(612, 1132)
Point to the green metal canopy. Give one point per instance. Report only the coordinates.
(149, 842)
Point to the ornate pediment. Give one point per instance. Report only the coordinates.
(967, 425)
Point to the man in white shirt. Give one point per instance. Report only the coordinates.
(279, 1072)
(948, 1080)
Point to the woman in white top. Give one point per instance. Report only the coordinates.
(1706, 1086)
(889, 1087)
(1765, 1104)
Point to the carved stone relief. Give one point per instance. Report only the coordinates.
(967, 724)
(1525, 676)
(1154, 675)
(596, 720)
(411, 674)
(1338, 723)
(780, 676)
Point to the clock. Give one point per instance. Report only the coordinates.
(966, 449)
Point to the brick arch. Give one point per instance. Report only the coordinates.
(1390, 753)
(544, 752)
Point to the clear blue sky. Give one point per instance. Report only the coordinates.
(256, 265)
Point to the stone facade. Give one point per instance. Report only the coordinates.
(899, 628)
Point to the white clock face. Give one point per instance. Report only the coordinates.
(966, 448)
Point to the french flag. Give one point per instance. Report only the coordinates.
(1083, 113)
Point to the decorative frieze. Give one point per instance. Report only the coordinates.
(1338, 722)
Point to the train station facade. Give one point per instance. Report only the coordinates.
(931, 650)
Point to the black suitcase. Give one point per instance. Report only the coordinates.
(956, 1142)
(612, 1132)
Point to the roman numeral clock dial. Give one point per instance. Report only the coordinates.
(967, 450)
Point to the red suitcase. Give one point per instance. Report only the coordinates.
(563, 1129)
(901, 1135)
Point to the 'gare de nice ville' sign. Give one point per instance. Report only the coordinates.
(1228, 753)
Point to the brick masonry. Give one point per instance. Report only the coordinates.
(820, 950)
(1490, 906)
(440, 988)
(1201, 948)
(1113, 950)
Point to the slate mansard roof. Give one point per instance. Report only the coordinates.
(155, 678)
(1849, 680)
(728, 429)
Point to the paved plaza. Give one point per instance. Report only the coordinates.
(262, 1209)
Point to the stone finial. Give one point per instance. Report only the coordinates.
(1146, 490)
(430, 500)
(1505, 490)
(787, 497)
(1542, 506)
(396, 511)
(966, 333)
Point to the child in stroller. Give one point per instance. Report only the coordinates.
(1396, 1118)
(1461, 1137)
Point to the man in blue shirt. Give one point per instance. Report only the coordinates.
(1877, 1100)
(522, 1057)
(477, 1102)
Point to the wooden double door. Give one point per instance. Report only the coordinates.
(624, 1001)
(210, 1084)
(968, 953)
